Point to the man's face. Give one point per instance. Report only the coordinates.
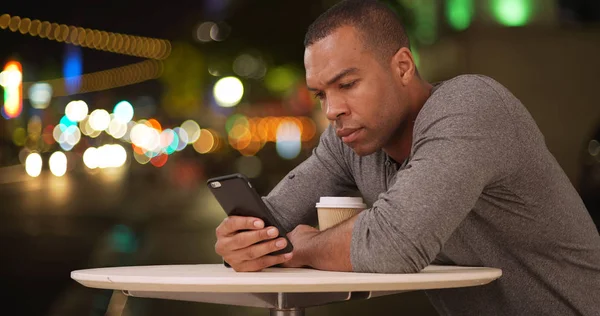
(358, 92)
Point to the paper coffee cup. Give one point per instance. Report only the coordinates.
(332, 210)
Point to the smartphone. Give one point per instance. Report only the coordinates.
(235, 194)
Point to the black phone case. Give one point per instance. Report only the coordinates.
(236, 196)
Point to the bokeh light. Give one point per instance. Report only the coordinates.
(459, 13)
(40, 94)
(512, 12)
(192, 130)
(99, 120)
(246, 65)
(19, 136)
(281, 79)
(76, 111)
(123, 111)
(117, 128)
(183, 138)
(228, 91)
(72, 68)
(58, 163)
(288, 140)
(202, 33)
(106, 156)
(206, 143)
(33, 164)
(90, 158)
(11, 79)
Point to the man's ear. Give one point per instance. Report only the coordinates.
(403, 65)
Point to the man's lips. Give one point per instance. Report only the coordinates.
(348, 134)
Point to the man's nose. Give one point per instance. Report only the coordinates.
(336, 107)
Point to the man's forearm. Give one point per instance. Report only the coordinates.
(330, 249)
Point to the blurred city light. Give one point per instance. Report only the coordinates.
(99, 120)
(33, 164)
(183, 138)
(123, 239)
(288, 140)
(40, 94)
(19, 136)
(169, 141)
(206, 143)
(107, 156)
(12, 81)
(95, 39)
(281, 79)
(123, 112)
(34, 127)
(219, 31)
(512, 12)
(145, 137)
(66, 122)
(76, 111)
(72, 69)
(425, 12)
(246, 65)
(202, 32)
(228, 91)
(111, 78)
(459, 13)
(116, 128)
(58, 163)
(90, 158)
(159, 160)
(72, 135)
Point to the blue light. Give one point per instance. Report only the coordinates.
(66, 123)
(182, 136)
(288, 149)
(72, 69)
(123, 239)
(123, 111)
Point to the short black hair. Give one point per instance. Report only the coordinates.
(381, 28)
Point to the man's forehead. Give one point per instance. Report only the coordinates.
(342, 41)
(338, 51)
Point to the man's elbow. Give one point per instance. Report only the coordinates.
(390, 259)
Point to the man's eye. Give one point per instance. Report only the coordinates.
(319, 95)
(347, 85)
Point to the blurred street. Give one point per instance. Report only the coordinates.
(46, 232)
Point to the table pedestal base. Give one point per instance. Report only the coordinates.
(279, 304)
(287, 312)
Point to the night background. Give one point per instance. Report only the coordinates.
(115, 115)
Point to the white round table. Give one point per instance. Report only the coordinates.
(285, 291)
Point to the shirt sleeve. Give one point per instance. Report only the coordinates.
(324, 173)
(461, 144)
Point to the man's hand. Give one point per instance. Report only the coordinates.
(237, 239)
(302, 238)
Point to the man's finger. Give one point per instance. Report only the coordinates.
(258, 250)
(232, 224)
(262, 262)
(249, 238)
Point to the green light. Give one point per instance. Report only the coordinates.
(512, 12)
(425, 12)
(281, 79)
(459, 13)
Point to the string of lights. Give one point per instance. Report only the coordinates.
(106, 79)
(139, 46)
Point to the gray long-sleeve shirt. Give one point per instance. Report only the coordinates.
(480, 188)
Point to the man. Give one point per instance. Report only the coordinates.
(454, 173)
